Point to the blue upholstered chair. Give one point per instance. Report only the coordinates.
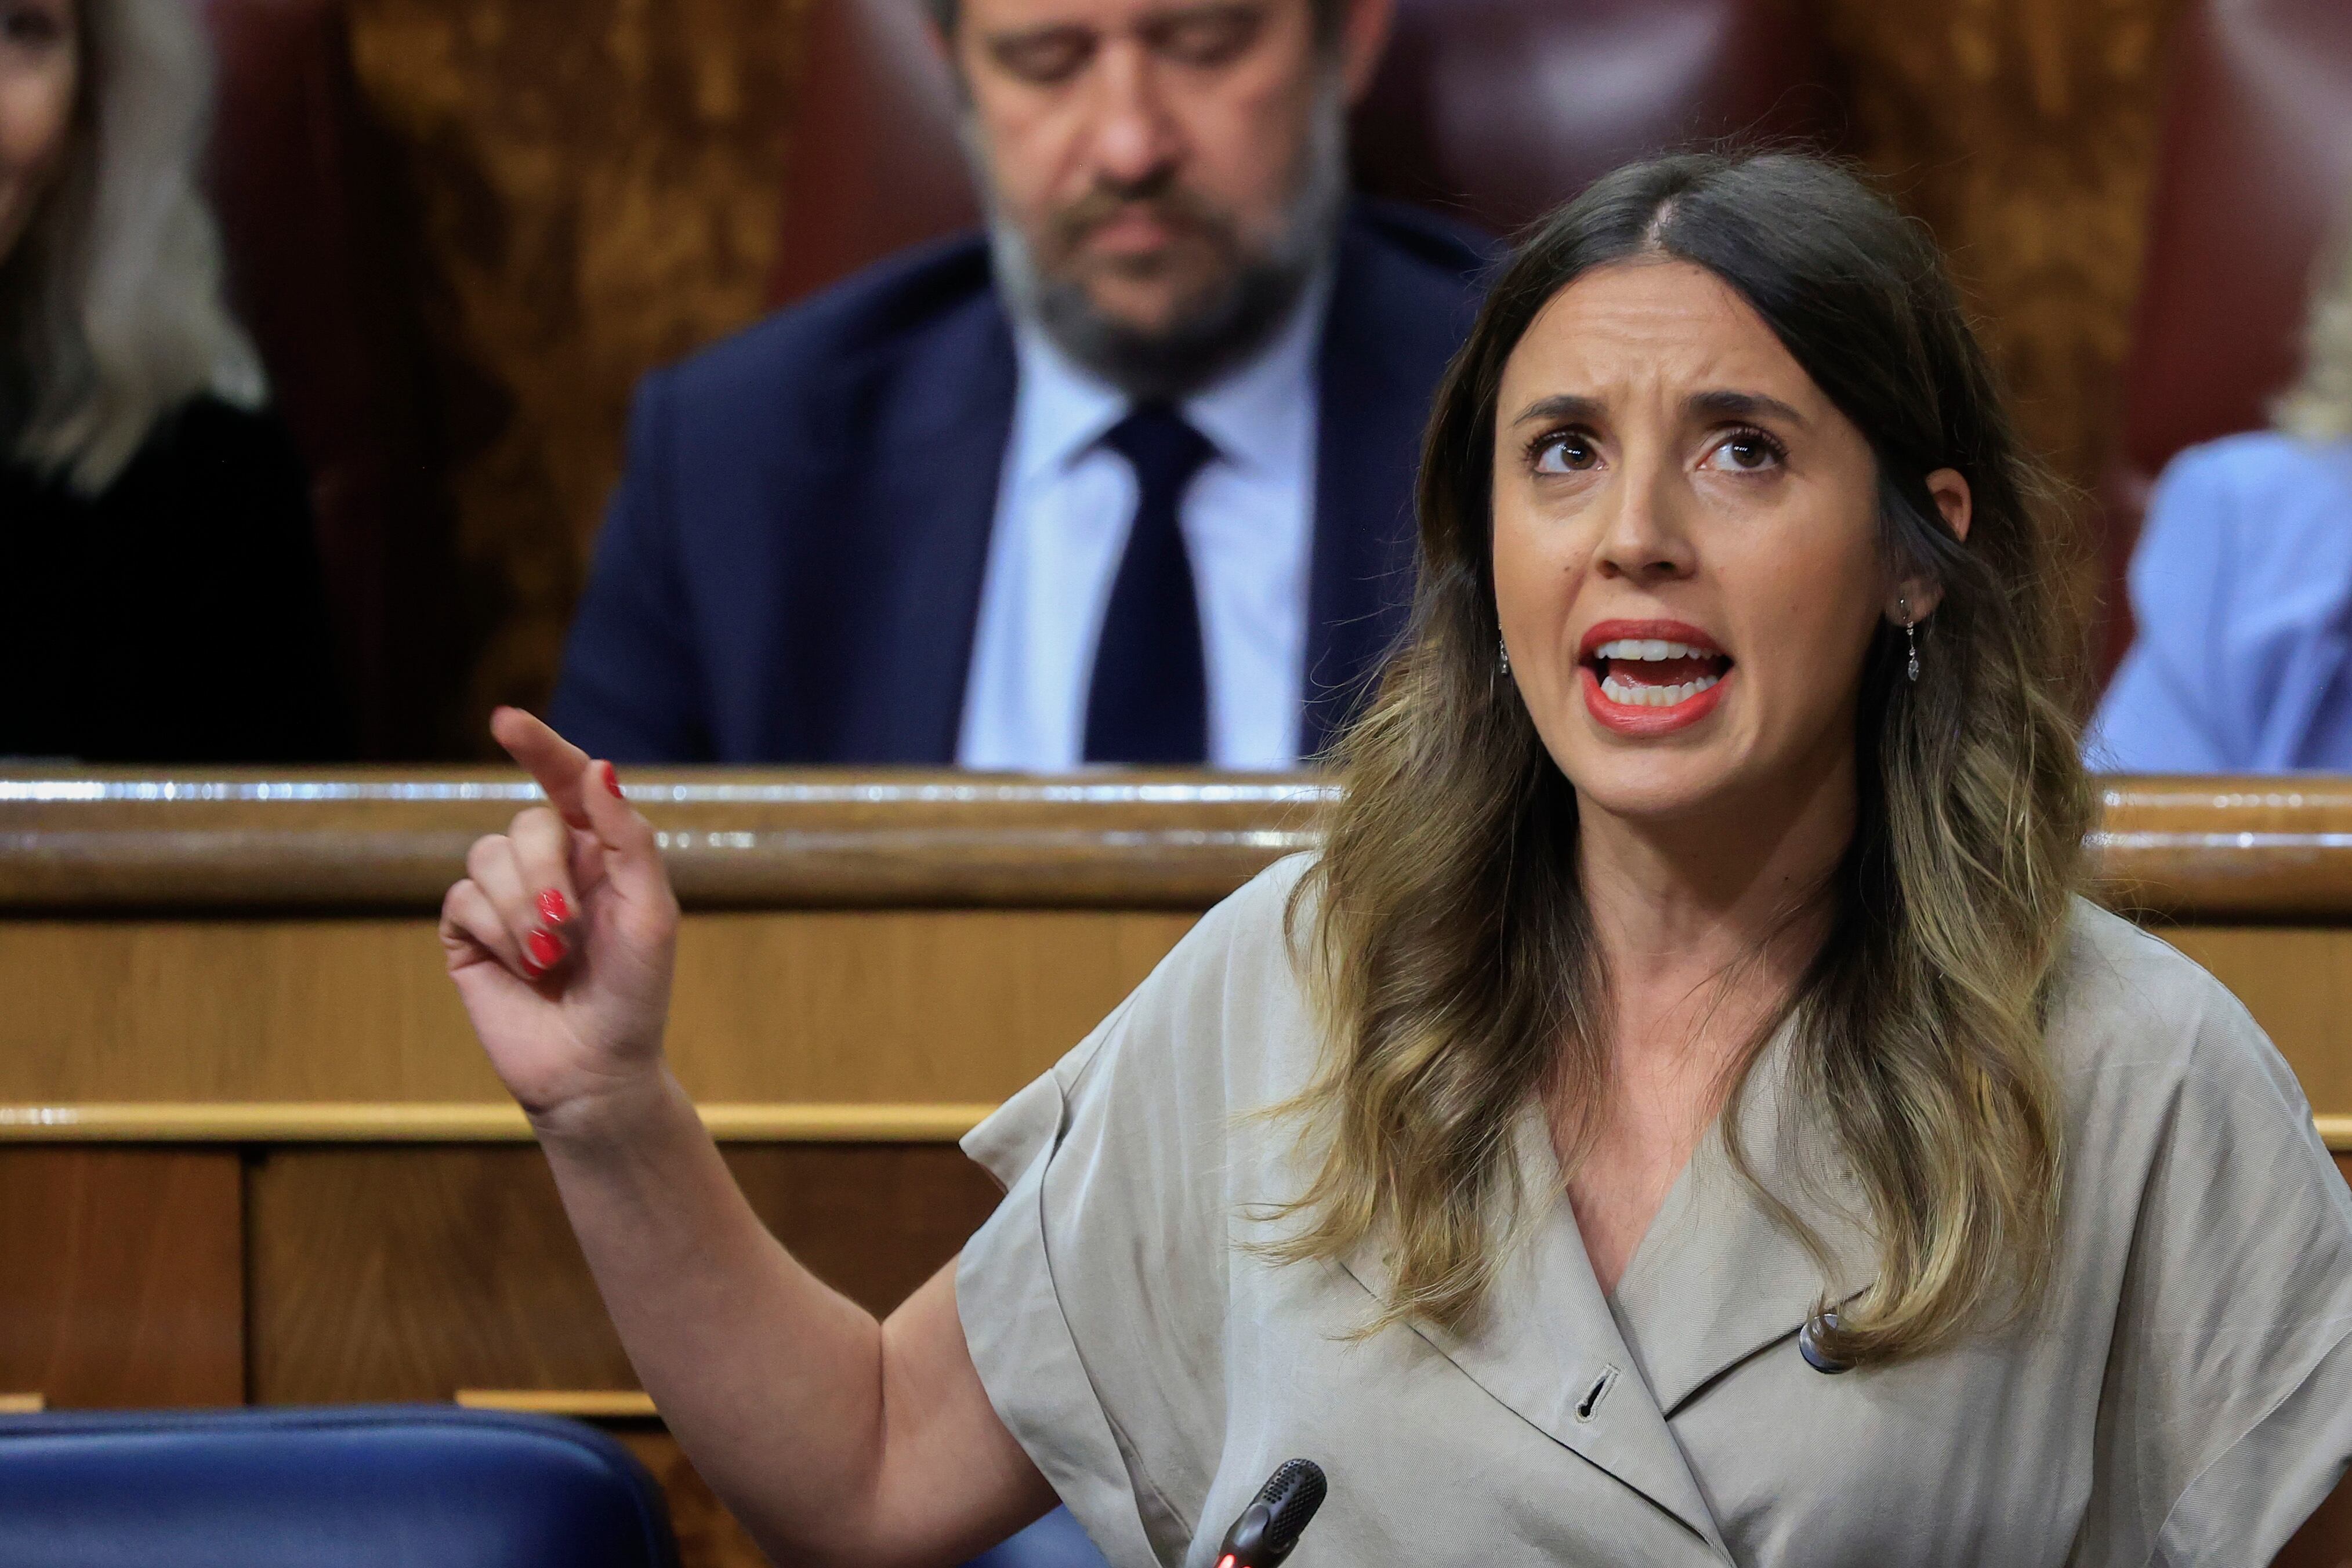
(355, 1487)
(1053, 1542)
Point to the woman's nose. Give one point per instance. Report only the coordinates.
(1644, 538)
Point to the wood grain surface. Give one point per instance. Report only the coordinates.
(908, 941)
(414, 1273)
(793, 1007)
(121, 1277)
(2023, 133)
(598, 184)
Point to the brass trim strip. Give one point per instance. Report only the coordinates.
(582, 1404)
(481, 1124)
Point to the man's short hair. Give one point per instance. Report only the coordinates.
(1326, 14)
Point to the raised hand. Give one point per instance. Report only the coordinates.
(563, 934)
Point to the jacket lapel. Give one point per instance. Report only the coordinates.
(1548, 1349)
(936, 456)
(1718, 1279)
(1385, 348)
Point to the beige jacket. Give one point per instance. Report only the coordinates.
(2183, 1395)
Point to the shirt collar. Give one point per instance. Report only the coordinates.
(1253, 415)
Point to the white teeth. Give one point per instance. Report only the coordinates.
(1650, 651)
(1633, 693)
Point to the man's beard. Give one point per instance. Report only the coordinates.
(1231, 320)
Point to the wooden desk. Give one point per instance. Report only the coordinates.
(249, 1150)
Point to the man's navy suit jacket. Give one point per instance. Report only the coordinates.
(791, 568)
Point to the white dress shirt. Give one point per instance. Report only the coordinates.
(1063, 511)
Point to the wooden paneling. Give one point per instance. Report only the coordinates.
(124, 1277)
(904, 940)
(412, 1274)
(2297, 982)
(798, 1006)
(598, 183)
(2023, 132)
(873, 1222)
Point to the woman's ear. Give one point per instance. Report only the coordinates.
(1915, 598)
(1953, 498)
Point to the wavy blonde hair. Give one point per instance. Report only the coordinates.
(112, 299)
(2318, 407)
(1444, 931)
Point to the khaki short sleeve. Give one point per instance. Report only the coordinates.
(2227, 1411)
(1095, 1299)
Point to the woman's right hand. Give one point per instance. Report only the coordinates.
(562, 938)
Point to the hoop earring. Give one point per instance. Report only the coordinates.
(1910, 640)
(1504, 649)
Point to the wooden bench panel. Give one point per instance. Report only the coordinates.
(416, 1273)
(121, 1277)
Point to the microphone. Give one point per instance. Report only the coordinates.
(1271, 1525)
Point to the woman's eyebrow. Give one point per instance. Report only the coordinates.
(1729, 404)
(1565, 406)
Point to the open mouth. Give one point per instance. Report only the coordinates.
(1646, 677)
(1655, 672)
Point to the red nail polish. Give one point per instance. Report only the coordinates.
(546, 951)
(613, 780)
(553, 907)
(531, 971)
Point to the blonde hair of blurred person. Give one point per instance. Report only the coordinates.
(2318, 407)
(145, 487)
(111, 270)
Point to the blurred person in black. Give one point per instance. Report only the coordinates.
(160, 592)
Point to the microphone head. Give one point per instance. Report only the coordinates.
(1292, 1494)
(1271, 1525)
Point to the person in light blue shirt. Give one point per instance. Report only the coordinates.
(2241, 590)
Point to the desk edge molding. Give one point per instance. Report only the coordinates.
(384, 1123)
(394, 1122)
(2222, 849)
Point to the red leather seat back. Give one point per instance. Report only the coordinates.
(310, 216)
(2254, 174)
(875, 164)
(1494, 110)
(1498, 110)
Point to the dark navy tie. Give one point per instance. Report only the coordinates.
(1148, 702)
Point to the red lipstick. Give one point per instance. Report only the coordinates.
(1705, 659)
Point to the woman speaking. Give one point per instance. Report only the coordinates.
(1683, 1114)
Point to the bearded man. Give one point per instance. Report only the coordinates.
(1127, 480)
